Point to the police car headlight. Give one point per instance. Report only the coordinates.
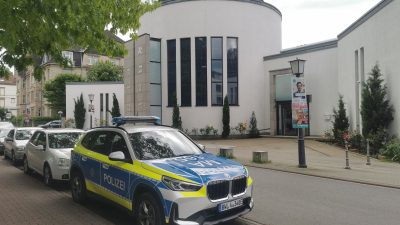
(178, 185)
(63, 162)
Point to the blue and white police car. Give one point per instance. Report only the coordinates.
(159, 174)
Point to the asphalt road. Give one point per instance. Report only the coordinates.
(291, 199)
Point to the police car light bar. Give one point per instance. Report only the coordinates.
(118, 121)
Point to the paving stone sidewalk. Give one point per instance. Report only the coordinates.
(323, 160)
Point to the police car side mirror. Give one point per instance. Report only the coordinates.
(118, 156)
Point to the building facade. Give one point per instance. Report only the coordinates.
(102, 102)
(8, 95)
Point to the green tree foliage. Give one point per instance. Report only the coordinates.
(115, 111)
(176, 117)
(341, 122)
(29, 28)
(105, 71)
(54, 90)
(5, 72)
(253, 132)
(376, 110)
(2, 113)
(226, 118)
(79, 112)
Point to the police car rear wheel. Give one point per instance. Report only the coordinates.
(78, 188)
(148, 211)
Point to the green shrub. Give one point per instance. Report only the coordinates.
(391, 150)
(253, 132)
(341, 122)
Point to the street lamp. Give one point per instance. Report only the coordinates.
(60, 114)
(297, 67)
(91, 108)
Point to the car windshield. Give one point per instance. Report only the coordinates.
(23, 134)
(162, 144)
(4, 132)
(63, 140)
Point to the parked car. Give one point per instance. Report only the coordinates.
(48, 153)
(51, 124)
(3, 135)
(15, 142)
(159, 174)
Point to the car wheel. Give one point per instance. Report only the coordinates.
(27, 170)
(47, 177)
(78, 187)
(148, 211)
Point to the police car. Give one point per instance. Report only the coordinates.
(159, 174)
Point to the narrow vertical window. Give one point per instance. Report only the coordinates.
(171, 54)
(216, 71)
(201, 71)
(186, 81)
(155, 77)
(232, 67)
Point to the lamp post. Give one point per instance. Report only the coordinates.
(297, 67)
(91, 108)
(60, 114)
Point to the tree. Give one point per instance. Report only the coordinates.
(29, 28)
(254, 132)
(3, 112)
(79, 112)
(225, 118)
(376, 110)
(54, 90)
(115, 112)
(176, 117)
(5, 72)
(105, 71)
(341, 122)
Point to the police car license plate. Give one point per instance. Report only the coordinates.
(230, 205)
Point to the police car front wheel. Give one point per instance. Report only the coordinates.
(147, 210)
(78, 187)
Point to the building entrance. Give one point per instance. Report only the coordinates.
(284, 119)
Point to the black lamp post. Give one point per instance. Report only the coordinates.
(298, 69)
(91, 108)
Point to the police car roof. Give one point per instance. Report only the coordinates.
(144, 128)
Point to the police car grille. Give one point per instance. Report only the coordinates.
(218, 189)
(239, 185)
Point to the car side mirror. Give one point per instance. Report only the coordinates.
(118, 156)
(39, 148)
(202, 147)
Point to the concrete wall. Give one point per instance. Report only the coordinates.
(258, 29)
(74, 90)
(321, 83)
(379, 37)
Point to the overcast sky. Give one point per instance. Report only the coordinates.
(310, 21)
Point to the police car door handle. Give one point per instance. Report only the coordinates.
(84, 158)
(106, 166)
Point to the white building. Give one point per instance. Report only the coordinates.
(8, 95)
(102, 100)
(201, 53)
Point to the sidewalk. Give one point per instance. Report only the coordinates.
(322, 160)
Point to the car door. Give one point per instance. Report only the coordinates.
(31, 151)
(40, 154)
(115, 174)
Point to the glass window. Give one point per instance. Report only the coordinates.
(201, 71)
(33, 140)
(232, 67)
(155, 94)
(162, 144)
(216, 71)
(171, 53)
(155, 73)
(63, 140)
(98, 142)
(11, 134)
(119, 144)
(186, 80)
(41, 139)
(155, 50)
(23, 134)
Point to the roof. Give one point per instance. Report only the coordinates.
(364, 17)
(62, 130)
(28, 128)
(257, 2)
(304, 49)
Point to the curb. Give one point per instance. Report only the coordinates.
(250, 221)
(326, 177)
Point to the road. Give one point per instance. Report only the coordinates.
(292, 199)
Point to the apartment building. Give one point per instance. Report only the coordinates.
(8, 98)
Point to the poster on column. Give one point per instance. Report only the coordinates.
(299, 103)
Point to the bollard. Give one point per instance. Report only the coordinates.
(260, 156)
(368, 156)
(347, 155)
(226, 152)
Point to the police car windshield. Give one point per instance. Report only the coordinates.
(63, 140)
(162, 144)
